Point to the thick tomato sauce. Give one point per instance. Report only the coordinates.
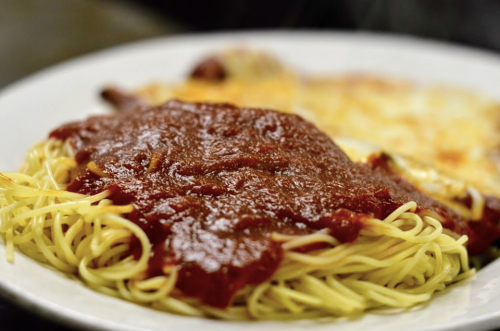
(211, 182)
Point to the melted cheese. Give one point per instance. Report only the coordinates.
(454, 131)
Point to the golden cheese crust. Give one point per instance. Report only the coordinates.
(454, 131)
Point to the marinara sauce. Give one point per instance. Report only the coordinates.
(210, 183)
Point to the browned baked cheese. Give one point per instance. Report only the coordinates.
(452, 130)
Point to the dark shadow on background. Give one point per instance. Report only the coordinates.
(472, 22)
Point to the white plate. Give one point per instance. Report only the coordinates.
(32, 107)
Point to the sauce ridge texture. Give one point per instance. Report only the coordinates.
(210, 183)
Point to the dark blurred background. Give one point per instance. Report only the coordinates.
(35, 34)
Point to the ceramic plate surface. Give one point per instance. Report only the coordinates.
(34, 106)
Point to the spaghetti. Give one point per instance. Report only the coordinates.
(397, 261)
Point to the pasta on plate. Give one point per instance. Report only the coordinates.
(208, 209)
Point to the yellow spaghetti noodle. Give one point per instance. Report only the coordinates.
(397, 262)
